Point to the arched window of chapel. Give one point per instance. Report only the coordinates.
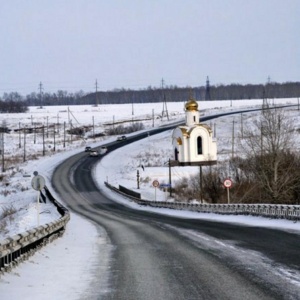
(199, 145)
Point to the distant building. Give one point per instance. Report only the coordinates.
(193, 143)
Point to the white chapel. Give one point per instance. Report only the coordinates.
(193, 143)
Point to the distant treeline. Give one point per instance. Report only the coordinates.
(177, 94)
(170, 93)
(11, 106)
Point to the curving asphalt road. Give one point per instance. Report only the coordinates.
(163, 257)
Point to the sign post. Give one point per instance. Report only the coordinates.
(165, 185)
(138, 179)
(228, 184)
(155, 183)
(38, 183)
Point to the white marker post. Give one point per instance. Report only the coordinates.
(228, 184)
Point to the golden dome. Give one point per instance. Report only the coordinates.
(191, 105)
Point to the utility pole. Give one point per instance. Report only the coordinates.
(265, 104)
(71, 131)
(47, 127)
(43, 140)
(2, 149)
(57, 122)
(54, 137)
(24, 156)
(64, 134)
(242, 127)
(19, 135)
(96, 85)
(138, 179)
(165, 109)
(207, 90)
(152, 117)
(201, 185)
(268, 94)
(41, 94)
(232, 138)
(34, 134)
(170, 177)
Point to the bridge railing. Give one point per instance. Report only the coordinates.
(289, 212)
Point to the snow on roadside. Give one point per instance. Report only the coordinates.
(66, 269)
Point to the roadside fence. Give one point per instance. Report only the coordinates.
(280, 211)
(20, 247)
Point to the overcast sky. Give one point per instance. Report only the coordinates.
(68, 44)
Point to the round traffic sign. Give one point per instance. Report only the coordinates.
(155, 183)
(227, 183)
(38, 182)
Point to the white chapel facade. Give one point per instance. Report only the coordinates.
(193, 143)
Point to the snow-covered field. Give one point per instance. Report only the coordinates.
(30, 278)
(153, 153)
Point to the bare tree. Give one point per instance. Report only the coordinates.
(269, 158)
(213, 189)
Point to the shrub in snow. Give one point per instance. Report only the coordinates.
(8, 211)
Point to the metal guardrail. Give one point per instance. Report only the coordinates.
(289, 212)
(18, 248)
(129, 192)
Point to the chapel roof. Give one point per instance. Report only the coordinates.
(191, 105)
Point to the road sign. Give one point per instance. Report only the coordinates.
(155, 183)
(227, 183)
(165, 185)
(38, 182)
